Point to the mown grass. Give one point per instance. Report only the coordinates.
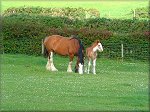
(109, 8)
(27, 85)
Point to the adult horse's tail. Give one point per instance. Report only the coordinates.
(44, 50)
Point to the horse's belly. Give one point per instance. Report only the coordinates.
(61, 51)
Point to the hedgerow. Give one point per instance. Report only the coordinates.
(71, 13)
(23, 33)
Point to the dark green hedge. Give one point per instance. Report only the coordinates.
(23, 33)
(114, 25)
(117, 25)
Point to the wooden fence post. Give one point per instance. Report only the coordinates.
(109, 14)
(122, 51)
(42, 47)
(134, 14)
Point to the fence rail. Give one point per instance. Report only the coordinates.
(125, 51)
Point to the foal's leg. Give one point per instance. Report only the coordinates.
(85, 66)
(51, 62)
(94, 65)
(89, 64)
(70, 63)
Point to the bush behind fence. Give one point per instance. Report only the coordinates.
(23, 33)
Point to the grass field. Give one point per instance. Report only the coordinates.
(27, 85)
(113, 9)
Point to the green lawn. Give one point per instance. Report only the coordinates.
(116, 9)
(27, 85)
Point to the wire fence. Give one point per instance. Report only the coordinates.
(126, 51)
(131, 15)
(123, 51)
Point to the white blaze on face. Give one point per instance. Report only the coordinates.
(80, 68)
(99, 47)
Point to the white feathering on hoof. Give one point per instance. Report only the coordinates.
(48, 67)
(80, 68)
(53, 67)
(69, 67)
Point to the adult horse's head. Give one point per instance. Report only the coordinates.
(80, 54)
(81, 58)
(98, 46)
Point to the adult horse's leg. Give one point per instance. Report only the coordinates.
(48, 66)
(70, 63)
(69, 67)
(51, 62)
(80, 68)
(94, 65)
(85, 65)
(77, 65)
(89, 64)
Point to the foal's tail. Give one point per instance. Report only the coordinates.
(44, 50)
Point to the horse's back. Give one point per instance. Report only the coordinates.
(51, 39)
(61, 45)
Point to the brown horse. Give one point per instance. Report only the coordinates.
(66, 47)
(91, 54)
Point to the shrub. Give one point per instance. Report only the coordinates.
(71, 13)
(23, 33)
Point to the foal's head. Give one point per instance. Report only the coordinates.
(97, 46)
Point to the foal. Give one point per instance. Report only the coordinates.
(91, 54)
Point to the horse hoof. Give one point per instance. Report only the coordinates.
(81, 73)
(48, 69)
(54, 70)
(69, 71)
